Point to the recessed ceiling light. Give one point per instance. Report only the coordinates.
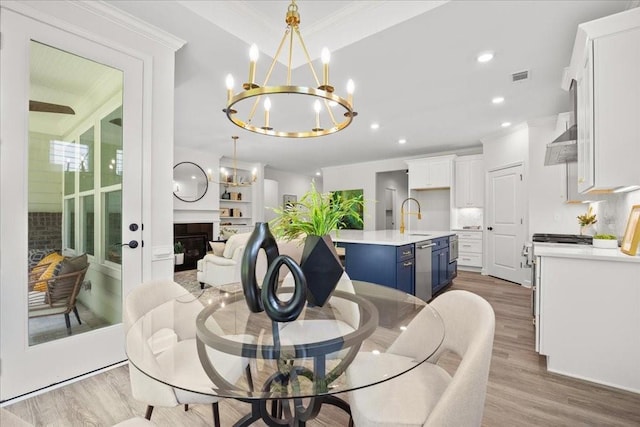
(485, 57)
(375, 126)
(402, 141)
(498, 100)
(506, 124)
(317, 173)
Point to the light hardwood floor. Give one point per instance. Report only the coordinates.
(520, 391)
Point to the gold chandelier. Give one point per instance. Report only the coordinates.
(323, 93)
(231, 179)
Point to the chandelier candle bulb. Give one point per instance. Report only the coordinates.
(326, 57)
(317, 107)
(230, 84)
(267, 108)
(253, 58)
(350, 88)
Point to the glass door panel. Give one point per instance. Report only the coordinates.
(85, 167)
(77, 106)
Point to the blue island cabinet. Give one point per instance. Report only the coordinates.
(387, 265)
(440, 275)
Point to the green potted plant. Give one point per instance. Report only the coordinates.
(605, 241)
(178, 251)
(313, 218)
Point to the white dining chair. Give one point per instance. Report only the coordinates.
(427, 395)
(166, 342)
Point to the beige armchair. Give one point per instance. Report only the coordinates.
(218, 270)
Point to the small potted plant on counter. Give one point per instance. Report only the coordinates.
(586, 222)
(178, 251)
(605, 241)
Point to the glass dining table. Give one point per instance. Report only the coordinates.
(289, 369)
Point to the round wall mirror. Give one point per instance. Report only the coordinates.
(190, 182)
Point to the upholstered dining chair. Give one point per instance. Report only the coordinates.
(167, 343)
(427, 395)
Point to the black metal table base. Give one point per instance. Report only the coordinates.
(283, 414)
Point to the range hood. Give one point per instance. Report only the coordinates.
(563, 149)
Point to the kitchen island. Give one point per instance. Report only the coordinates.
(416, 262)
(587, 313)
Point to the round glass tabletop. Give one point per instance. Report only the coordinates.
(209, 342)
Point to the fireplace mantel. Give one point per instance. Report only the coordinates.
(187, 216)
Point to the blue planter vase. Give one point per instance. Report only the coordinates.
(321, 267)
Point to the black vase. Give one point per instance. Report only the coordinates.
(321, 267)
(261, 238)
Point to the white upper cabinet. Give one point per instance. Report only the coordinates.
(469, 182)
(430, 173)
(606, 66)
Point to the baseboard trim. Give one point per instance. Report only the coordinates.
(61, 384)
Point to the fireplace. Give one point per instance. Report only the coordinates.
(195, 238)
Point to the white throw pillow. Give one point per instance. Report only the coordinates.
(234, 242)
(217, 248)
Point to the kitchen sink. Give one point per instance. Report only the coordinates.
(419, 234)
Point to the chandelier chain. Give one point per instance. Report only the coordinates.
(268, 76)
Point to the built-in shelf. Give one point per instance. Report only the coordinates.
(235, 201)
(235, 217)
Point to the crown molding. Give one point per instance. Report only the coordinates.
(132, 23)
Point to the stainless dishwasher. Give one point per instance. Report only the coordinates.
(423, 269)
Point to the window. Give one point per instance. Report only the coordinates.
(113, 226)
(87, 224)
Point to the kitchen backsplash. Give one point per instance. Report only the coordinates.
(613, 212)
(467, 217)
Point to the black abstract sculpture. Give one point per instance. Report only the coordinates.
(266, 298)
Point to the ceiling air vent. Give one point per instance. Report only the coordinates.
(520, 76)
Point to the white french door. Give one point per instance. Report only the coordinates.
(98, 209)
(505, 223)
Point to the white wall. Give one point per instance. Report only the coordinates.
(506, 148)
(45, 177)
(361, 175)
(291, 183)
(207, 160)
(435, 208)
(548, 212)
(271, 198)
(397, 180)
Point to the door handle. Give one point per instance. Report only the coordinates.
(132, 244)
(489, 228)
(426, 246)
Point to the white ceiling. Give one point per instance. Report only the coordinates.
(60, 77)
(414, 65)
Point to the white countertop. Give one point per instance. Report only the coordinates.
(581, 251)
(387, 237)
